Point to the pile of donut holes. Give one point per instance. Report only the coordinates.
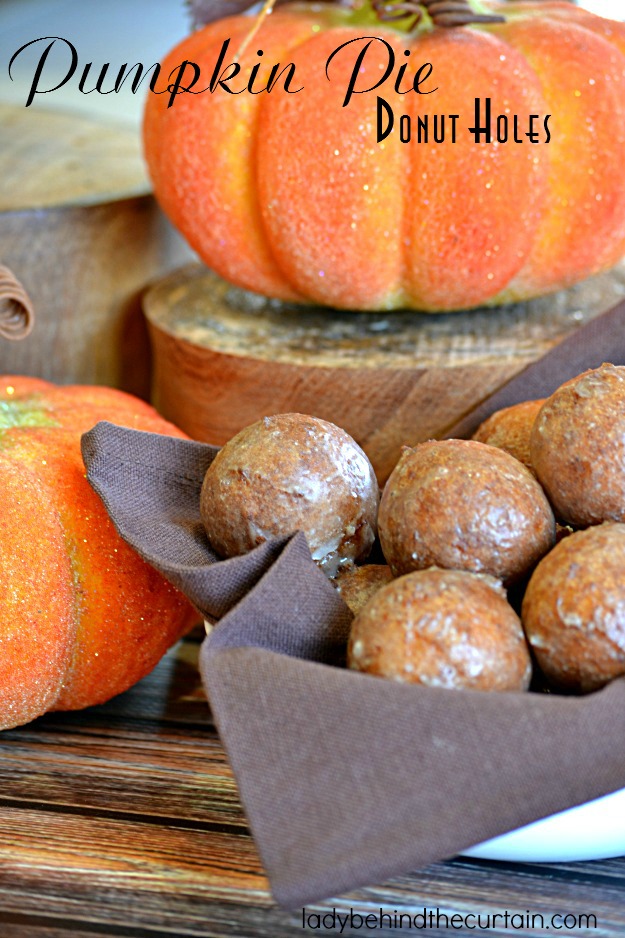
(501, 558)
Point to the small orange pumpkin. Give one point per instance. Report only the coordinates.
(82, 616)
(291, 195)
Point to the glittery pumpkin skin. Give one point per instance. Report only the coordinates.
(82, 617)
(37, 622)
(291, 196)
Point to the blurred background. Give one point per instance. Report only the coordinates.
(612, 8)
(115, 31)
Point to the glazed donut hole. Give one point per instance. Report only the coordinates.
(287, 473)
(442, 628)
(510, 429)
(359, 584)
(577, 447)
(574, 609)
(471, 577)
(464, 505)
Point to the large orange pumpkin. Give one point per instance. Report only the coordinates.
(291, 195)
(82, 617)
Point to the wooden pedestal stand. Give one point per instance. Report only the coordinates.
(81, 231)
(224, 358)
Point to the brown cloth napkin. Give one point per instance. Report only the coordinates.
(348, 779)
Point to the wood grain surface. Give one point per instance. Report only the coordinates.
(223, 358)
(50, 158)
(81, 231)
(124, 820)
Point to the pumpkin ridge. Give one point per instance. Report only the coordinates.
(257, 218)
(257, 207)
(78, 607)
(198, 161)
(613, 32)
(468, 256)
(573, 238)
(332, 190)
(36, 624)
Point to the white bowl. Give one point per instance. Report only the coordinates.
(591, 831)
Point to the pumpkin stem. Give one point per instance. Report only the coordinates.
(263, 13)
(441, 12)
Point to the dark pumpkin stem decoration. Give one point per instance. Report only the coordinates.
(441, 12)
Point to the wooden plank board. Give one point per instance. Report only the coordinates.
(124, 820)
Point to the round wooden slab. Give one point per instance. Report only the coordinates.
(49, 158)
(223, 358)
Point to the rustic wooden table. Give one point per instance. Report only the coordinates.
(124, 820)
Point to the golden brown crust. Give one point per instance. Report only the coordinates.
(574, 609)
(286, 473)
(464, 505)
(358, 585)
(510, 429)
(578, 447)
(442, 628)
